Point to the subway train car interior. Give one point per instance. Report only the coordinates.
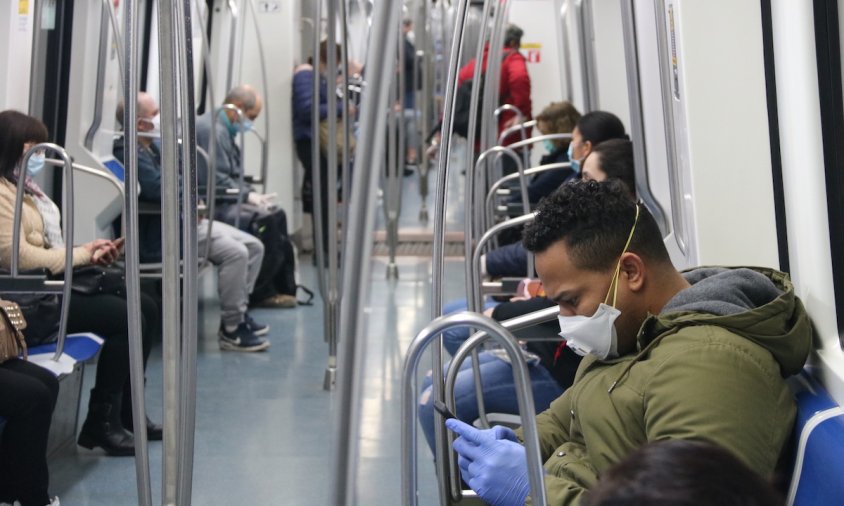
(436, 252)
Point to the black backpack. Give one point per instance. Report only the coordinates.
(463, 102)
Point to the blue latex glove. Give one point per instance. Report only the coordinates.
(492, 462)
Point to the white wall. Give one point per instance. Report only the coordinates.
(16, 23)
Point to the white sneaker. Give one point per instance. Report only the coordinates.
(54, 501)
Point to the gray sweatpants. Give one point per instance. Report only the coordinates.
(238, 257)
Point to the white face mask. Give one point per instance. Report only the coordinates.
(596, 334)
(156, 124)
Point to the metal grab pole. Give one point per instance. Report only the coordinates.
(265, 147)
(499, 151)
(441, 195)
(520, 122)
(391, 180)
(524, 396)
(316, 165)
(346, 173)
(331, 297)
(488, 235)
(425, 39)
(190, 306)
(357, 265)
(133, 279)
(470, 225)
(170, 221)
(67, 213)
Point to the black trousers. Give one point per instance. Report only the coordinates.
(27, 397)
(106, 316)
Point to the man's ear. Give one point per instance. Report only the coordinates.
(632, 271)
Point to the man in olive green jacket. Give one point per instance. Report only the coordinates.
(697, 355)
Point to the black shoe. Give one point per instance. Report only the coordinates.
(102, 428)
(155, 432)
(409, 172)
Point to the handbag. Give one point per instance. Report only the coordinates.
(99, 280)
(338, 141)
(12, 343)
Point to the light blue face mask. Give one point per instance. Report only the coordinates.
(549, 145)
(575, 164)
(35, 164)
(246, 125)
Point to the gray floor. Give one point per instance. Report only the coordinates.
(263, 432)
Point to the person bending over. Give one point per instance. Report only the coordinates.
(237, 254)
(697, 355)
(259, 215)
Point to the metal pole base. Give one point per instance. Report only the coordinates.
(423, 215)
(392, 271)
(330, 380)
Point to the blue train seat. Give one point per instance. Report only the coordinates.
(819, 437)
(78, 349)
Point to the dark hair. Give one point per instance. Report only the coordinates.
(595, 220)
(323, 51)
(682, 473)
(616, 157)
(16, 129)
(598, 126)
(513, 34)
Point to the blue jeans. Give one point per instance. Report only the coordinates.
(496, 378)
(498, 388)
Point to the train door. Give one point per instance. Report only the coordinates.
(700, 127)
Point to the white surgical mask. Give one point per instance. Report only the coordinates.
(156, 124)
(35, 164)
(596, 334)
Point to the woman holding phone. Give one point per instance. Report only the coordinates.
(42, 246)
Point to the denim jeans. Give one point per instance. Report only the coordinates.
(499, 392)
(496, 379)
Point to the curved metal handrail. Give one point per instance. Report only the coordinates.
(479, 193)
(67, 213)
(490, 196)
(410, 407)
(520, 121)
(521, 127)
(488, 235)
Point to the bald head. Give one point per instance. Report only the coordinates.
(245, 98)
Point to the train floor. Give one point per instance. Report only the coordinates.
(264, 422)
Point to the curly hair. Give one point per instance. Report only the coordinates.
(594, 219)
(558, 118)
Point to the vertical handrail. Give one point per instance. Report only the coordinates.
(564, 45)
(441, 195)
(190, 309)
(470, 225)
(356, 262)
(240, 118)
(316, 168)
(170, 221)
(391, 179)
(130, 80)
(346, 176)
(524, 394)
(331, 296)
(67, 212)
(587, 54)
(637, 121)
(678, 210)
(425, 39)
(265, 84)
(100, 79)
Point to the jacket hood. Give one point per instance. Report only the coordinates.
(756, 303)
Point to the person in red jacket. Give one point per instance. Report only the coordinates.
(515, 80)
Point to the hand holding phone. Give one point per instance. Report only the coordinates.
(443, 410)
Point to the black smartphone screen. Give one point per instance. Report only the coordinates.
(443, 410)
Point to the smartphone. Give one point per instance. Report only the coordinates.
(443, 410)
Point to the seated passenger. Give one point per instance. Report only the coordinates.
(42, 247)
(259, 215)
(677, 472)
(698, 355)
(237, 254)
(553, 368)
(592, 128)
(27, 398)
(557, 118)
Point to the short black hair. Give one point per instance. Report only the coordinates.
(683, 473)
(616, 160)
(598, 126)
(594, 219)
(16, 129)
(513, 34)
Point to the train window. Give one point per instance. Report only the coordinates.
(829, 17)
